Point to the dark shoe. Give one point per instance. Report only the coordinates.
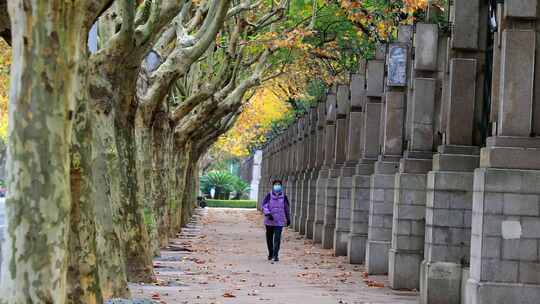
(276, 259)
(269, 257)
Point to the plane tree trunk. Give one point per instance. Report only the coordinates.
(48, 70)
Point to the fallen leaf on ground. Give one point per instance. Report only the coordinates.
(376, 285)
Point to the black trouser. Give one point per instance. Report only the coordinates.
(273, 240)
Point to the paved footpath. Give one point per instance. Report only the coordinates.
(221, 258)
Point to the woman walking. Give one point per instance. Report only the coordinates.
(276, 216)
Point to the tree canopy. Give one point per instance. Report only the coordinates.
(320, 42)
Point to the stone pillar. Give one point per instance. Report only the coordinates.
(291, 179)
(270, 166)
(450, 183)
(325, 119)
(268, 170)
(263, 177)
(314, 167)
(359, 203)
(344, 181)
(371, 105)
(255, 176)
(366, 97)
(264, 187)
(299, 166)
(407, 246)
(330, 188)
(505, 233)
(277, 157)
(305, 173)
(381, 183)
(273, 164)
(285, 160)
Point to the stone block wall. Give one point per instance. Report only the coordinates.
(381, 209)
(320, 200)
(311, 201)
(408, 230)
(360, 193)
(329, 223)
(305, 201)
(343, 216)
(505, 237)
(298, 202)
(448, 217)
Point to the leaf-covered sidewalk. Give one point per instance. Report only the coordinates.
(221, 258)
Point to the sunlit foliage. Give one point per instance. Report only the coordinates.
(320, 42)
(253, 123)
(5, 62)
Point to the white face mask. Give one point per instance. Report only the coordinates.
(277, 188)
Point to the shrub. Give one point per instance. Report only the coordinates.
(224, 183)
(221, 181)
(231, 203)
(241, 188)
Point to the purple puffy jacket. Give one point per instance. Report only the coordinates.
(276, 204)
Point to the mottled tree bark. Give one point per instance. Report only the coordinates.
(144, 141)
(156, 86)
(124, 235)
(160, 175)
(112, 91)
(117, 65)
(187, 199)
(49, 60)
(139, 264)
(83, 276)
(172, 193)
(105, 172)
(179, 180)
(106, 197)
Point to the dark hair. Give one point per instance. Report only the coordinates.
(277, 181)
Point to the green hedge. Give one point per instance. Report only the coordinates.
(231, 203)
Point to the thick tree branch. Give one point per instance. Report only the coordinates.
(180, 59)
(242, 7)
(208, 136)
(219, 105)
(144, 31)
(211, 31)
(98, 7)
(125, 43)
(198, 17)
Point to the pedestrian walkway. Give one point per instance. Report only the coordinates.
(221, 258)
